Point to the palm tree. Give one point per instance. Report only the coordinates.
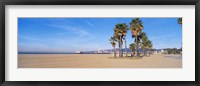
(125, 30)
(117, 37)
(179, 21)
(132, 47)
(149, 46)
(144, 42)
(136, 26)
(118, 33)
(112, 41)
(139, 44)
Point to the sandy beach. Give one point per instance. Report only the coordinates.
(96, 61)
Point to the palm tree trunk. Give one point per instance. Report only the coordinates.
(131, 53)
(150, 52)
(120, 47)
(125, 46)
(120, 50)
(137, 49)
(145, 52)
(114, 52)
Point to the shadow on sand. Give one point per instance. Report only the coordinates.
(128, 57)
(174, 56)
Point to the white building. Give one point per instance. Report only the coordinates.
(78, 51)
(160, 51)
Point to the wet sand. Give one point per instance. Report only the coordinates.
(96, 61)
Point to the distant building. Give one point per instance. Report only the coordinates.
(160, 51)
(100, 51)
(164, 51)
(78, 51)
(106, 51)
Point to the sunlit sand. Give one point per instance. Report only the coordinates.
(97, 61)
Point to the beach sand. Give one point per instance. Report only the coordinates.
(96, 61)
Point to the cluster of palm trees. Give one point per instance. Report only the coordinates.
(140, 38)
(179, 21)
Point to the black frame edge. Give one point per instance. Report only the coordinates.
(2, 41)
(197, 36)
(102, 2)
(98, 83)
(98, 2)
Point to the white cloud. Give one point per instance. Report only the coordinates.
(74, 30)
(89, 23)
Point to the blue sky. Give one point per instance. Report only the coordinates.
(85, 34)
